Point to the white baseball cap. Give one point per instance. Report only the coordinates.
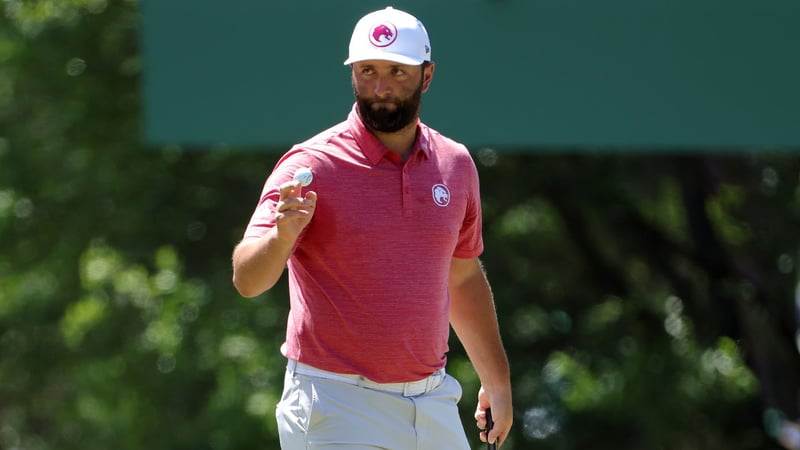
(390, 35)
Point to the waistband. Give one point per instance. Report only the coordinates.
(409, 389)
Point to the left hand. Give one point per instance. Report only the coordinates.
(502, 414)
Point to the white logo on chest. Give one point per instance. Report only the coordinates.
(441, 195)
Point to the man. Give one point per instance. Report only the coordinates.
(382, 252)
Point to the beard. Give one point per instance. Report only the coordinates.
(382, 119)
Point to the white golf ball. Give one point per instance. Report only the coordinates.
(304, 176)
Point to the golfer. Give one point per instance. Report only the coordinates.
(382, 251)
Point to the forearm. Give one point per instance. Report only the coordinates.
(259, 262)
(474, 320)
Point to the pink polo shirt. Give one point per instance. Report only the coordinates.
(368, 277)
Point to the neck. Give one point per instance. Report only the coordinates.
(400, 142)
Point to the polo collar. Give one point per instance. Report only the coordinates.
(373, 148)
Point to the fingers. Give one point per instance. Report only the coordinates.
(290, 189)
(482, 423)
(291, 198)
(293, 206)
(480, 419)
(502, 416)
(485, 435)
(498, 433)
(480, 411)
(293, 212)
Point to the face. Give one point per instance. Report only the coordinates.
(388, 94)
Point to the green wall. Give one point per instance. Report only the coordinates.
(512, 75)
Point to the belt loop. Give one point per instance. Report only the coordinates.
(434, 381)
(429, 386)
(291, 366)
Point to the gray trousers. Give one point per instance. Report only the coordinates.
(324, 411)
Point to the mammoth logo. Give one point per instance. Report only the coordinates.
(383, 34)
(441, 195)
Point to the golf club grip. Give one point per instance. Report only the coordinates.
(489, 426)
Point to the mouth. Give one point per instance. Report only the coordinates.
(383, 104)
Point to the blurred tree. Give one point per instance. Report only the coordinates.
(647, 302)
(657, 301)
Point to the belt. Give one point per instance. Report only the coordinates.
(409, 389)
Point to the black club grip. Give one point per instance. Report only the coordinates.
(489, 426)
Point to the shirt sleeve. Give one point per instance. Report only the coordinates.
(470, 236)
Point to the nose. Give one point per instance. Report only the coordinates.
(383, 88)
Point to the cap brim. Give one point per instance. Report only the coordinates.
(383, 56)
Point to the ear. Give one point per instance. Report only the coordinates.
(427, 77)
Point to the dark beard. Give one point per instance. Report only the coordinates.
(386, 121)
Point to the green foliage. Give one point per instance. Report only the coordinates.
(645, 301)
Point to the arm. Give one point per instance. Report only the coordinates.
(259, 262)
(474, 320)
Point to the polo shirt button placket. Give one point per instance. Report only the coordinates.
(407, 207)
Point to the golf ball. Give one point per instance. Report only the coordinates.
(304, 176)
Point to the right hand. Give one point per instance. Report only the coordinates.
(293, 212)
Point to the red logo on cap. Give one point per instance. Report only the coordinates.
(383, 34)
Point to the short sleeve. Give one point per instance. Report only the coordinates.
(470, 236)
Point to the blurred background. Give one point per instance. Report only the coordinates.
(641, 193)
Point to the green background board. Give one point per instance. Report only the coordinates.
(626, 74)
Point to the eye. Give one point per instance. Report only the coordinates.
(396, 71)
(367, 70)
